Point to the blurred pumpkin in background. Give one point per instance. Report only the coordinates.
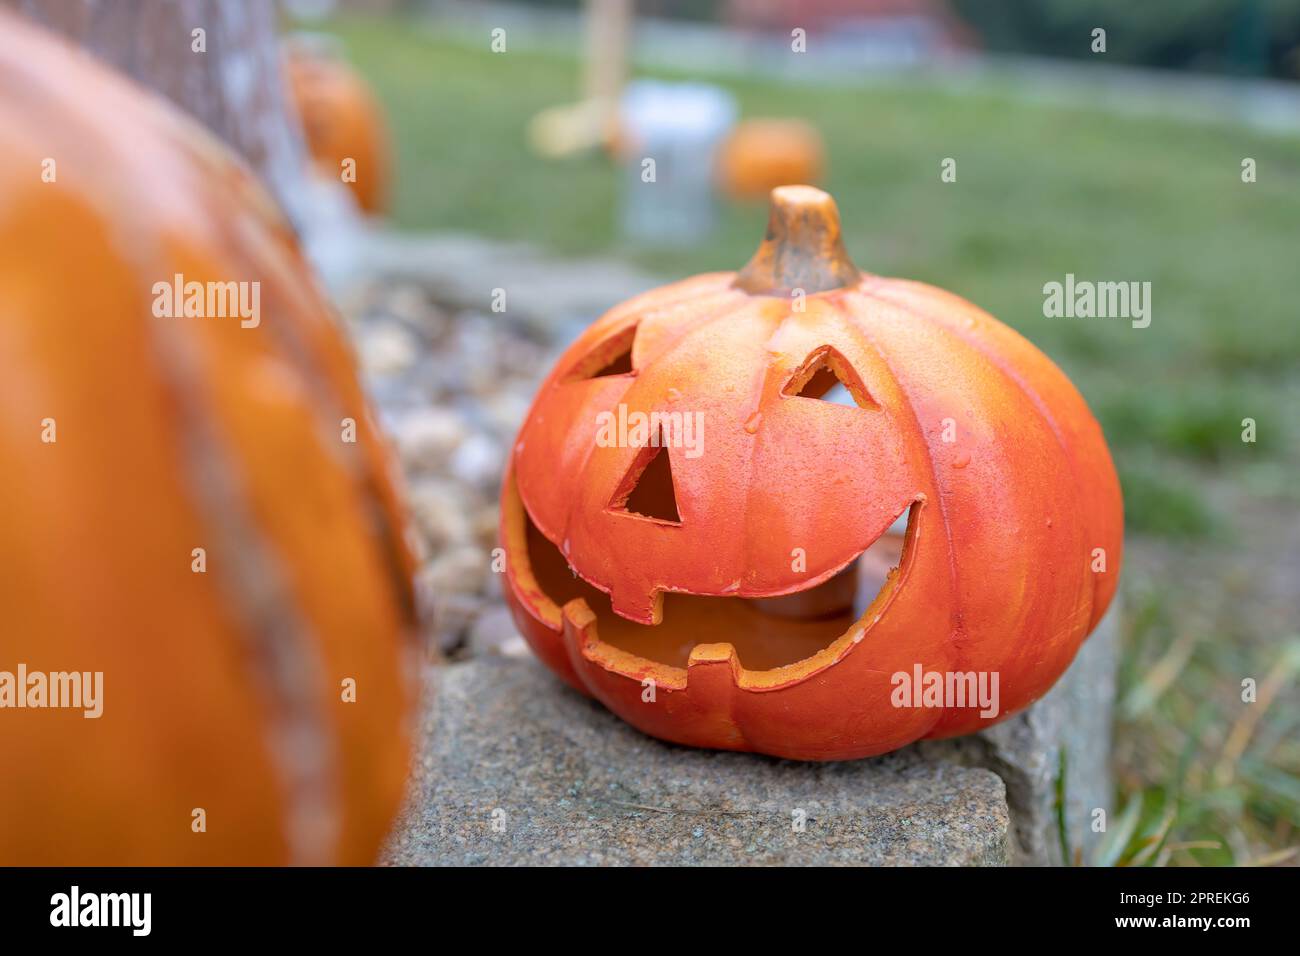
(197, 502)
(341, 119)
(761, 154)
(743, 504)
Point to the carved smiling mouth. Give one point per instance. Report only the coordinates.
(767, 633)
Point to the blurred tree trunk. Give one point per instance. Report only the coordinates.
(219, 60)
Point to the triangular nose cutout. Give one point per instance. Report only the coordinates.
(648, 488)
(828, 377)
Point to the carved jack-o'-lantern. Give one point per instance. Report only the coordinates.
(698, 534)
(207, 596)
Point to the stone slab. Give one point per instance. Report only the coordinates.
(518, 769)
(515, 768)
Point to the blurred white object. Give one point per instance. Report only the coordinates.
(669, 137)
(331, 230)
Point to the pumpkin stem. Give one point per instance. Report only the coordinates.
(802, 249)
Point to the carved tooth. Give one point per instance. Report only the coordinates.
(711, 653)
(707, 660)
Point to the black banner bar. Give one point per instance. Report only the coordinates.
(236, 905)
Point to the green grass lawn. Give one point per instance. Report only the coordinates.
(1041, 191)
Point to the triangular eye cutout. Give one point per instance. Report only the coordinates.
(827, 376)
(647, 489)
(611, 357)
(620, 364)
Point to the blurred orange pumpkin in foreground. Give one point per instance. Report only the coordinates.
(761, 154)
(697, 532)
(208, 614)
(342, 121)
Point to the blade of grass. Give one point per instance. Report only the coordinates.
(1118, 836)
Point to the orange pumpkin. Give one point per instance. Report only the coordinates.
(705, 591)
(342, 121)
(186, 514)
(763, 154)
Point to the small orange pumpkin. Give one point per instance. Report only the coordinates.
(198, 507)
(706, 592)
(762, 154)
(342, 121)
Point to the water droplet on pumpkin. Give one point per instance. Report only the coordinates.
(752, 423)
(962, 460)
(1049, 522)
